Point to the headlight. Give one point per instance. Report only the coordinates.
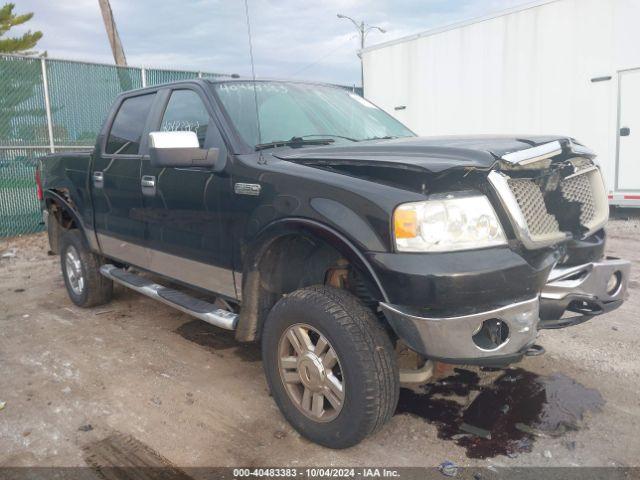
(447, 223)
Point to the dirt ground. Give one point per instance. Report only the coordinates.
(72, 377)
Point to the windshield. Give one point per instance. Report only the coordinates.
(298, 110)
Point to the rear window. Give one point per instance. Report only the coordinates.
(128, 126)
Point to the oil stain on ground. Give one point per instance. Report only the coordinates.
(217, 340)
(503, 417)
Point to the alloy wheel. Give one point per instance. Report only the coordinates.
(311, 372)
(73, 269)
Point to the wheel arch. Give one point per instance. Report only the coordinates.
(258, 300)
(63, 216)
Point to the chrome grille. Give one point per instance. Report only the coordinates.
(578, 189)
(531, 202)
(524, 200)
(525, 204)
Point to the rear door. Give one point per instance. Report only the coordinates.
(628, 175)
(184, 237)
(115, 178)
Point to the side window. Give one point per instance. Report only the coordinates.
(186, 112)
(128, 126)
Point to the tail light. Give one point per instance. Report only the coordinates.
(39, 185)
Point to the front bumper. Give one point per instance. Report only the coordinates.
(583, 291)
(504, 334)
(451, 339)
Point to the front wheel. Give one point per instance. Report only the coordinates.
(330, 365)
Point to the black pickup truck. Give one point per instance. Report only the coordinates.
(357, 253)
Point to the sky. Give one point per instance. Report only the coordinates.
(291, 38)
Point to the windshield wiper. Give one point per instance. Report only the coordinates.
(388, 137)
(295, 142)
(330, 135)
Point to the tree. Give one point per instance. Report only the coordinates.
(22, 44)
(20, 115)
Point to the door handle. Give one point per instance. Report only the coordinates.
(98, 179)
(625, 131)
(148, 181)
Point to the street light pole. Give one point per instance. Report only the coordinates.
(363, 30)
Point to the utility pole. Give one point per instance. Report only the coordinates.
(363, 30)
(112, 33)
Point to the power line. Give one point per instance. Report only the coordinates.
(333, 50)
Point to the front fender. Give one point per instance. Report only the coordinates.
(257, 302)
(314, 228)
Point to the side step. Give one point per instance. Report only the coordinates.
(185, 303)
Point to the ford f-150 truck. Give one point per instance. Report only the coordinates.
(302, 216)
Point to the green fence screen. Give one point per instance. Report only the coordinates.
(79, 96)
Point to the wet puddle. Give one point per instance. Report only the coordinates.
(502, 417)
(218, 340)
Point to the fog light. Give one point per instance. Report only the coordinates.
(614, 283)
(492, 334)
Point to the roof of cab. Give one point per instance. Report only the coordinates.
(216, 81)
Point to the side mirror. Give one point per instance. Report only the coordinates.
(181, 149)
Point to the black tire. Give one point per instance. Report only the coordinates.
(367, 363)
(96, 289)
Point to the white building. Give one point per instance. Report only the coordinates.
(569, 67)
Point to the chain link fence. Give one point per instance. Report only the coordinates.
(49, 106)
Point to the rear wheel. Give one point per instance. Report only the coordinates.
(81, 271)
(330, 365)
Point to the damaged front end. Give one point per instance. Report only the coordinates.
(486, 305)
(551, 194)
(574, 294)
(554, 193)
(553, 197)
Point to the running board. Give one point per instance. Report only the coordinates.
(181, 301)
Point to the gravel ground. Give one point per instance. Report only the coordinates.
(72, 377)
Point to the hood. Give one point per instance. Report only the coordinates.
(433, 154)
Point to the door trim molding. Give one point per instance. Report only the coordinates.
(202, 275)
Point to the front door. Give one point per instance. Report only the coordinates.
(115, 182)
(628, 176)
(182, 205)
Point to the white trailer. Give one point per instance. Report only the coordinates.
(569, 67)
